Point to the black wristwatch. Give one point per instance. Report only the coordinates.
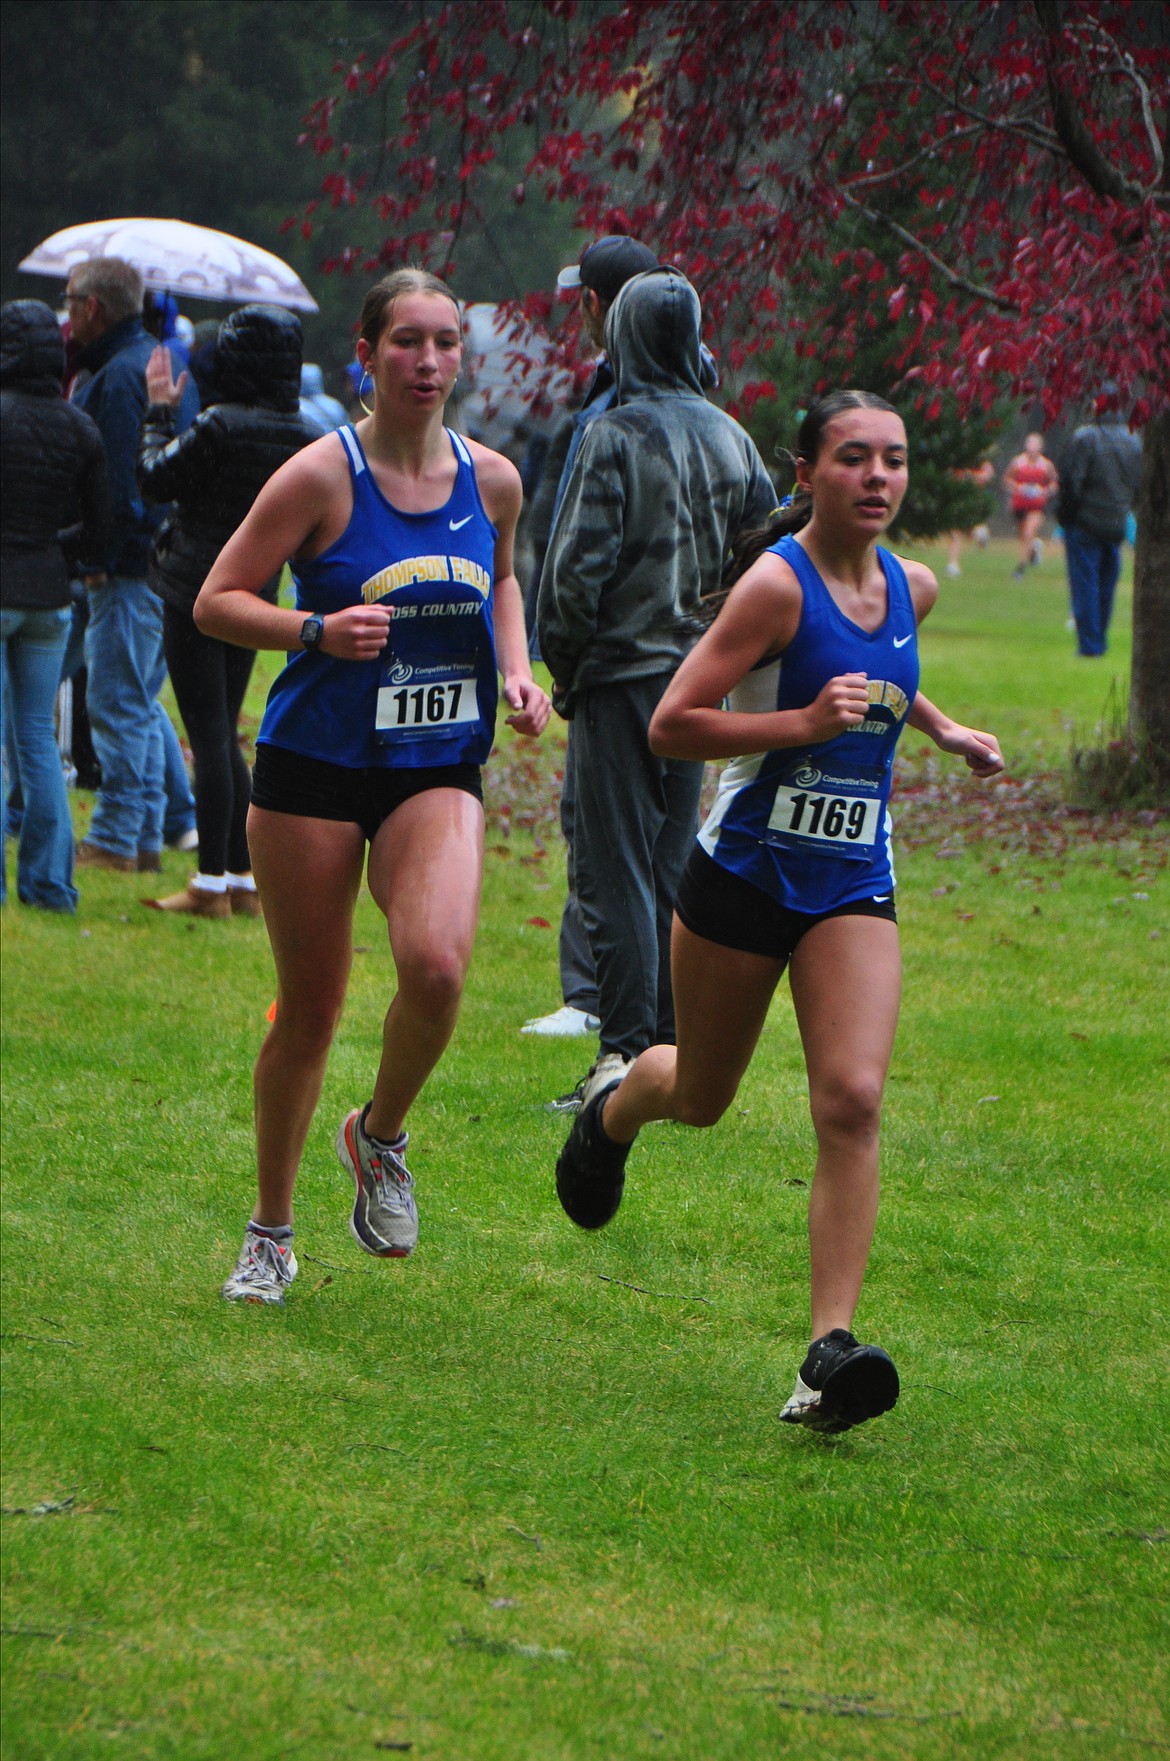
(312, 631)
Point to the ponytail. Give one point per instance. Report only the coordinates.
(750, 543)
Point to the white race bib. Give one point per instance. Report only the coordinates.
(413, 701)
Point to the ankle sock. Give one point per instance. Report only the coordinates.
(277, 1232)
(240, 882)
(394, 1145)
(209, 883)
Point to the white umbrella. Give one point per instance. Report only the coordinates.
(193, 262)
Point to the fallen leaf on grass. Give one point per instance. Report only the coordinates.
(503, 1602)
(539, 923)
(984, 1099)
(1073, 1034)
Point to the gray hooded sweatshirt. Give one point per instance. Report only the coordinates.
(660, 487)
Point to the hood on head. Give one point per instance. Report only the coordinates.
(258, 358)
(32, 348)
(312, 380)
(652, 335)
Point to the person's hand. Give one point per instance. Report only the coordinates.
(530, 703)
(161, 387)
(839, 705)
(980, 750)
(360, 632)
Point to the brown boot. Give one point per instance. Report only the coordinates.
(150, 862)
(195, 901)
(97, 856)
(245, 902)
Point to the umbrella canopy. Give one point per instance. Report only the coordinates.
(194, 262)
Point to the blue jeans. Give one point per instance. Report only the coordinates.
(1093, 567)
(124, 655)
(34, 642)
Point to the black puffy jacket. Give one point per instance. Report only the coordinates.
(54, 487)
(216, 468)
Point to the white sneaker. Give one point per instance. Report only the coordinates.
(264, 1270)
(564, 1023)
(605, 1070)
(954, 571)
(186, 841)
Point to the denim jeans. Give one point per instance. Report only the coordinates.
(1093, 567)
(635, 822)
(34, 642)
(124, 656)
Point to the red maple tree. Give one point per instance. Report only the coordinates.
(993, 171)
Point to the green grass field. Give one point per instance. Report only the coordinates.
(525, 1496)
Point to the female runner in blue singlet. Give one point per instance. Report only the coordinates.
(816, 652)
(400, 534)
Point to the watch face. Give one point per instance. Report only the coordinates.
(311, 632)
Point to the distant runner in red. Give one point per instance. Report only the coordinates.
(1031, 482)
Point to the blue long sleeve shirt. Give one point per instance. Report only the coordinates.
(115, 397)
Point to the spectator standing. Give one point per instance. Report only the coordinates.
(123, 641)
(661, 483)
(1031, 482)
(213, 472)
(53, 465)
(322, 412)
(1099, 478)
(603, 271)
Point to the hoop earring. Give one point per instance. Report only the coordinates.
(361, 387)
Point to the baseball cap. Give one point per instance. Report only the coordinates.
(607, 264)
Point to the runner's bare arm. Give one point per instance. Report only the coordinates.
(760, 618)
(297, 508)
(500, 490)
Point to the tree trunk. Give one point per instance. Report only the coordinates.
(1149, 701)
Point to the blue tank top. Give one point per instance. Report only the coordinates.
(809, 825)
(430, 696)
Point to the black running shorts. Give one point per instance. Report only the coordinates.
(723, 907)
(288, 782)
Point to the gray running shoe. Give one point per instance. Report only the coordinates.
(385, 1217)
(609, 1068)
(841, 1384)
(264, 1270)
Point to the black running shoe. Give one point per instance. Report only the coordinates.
(841, 1384)
(591, 1170)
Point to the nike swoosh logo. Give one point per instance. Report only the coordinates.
(882, 898)
(901, 641)
(455, 524)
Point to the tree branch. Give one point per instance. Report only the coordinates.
(1101, 175)
(951, 276)
(1127, 65)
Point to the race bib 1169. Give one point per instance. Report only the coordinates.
(839, 812)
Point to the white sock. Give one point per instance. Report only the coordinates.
(210, 883)
(241, 882)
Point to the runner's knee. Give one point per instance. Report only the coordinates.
(847, 1104)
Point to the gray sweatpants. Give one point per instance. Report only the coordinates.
(635, 822)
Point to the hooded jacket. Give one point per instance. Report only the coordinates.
(56, 496)
(662, 483)
(1099, 479)
(216, 468)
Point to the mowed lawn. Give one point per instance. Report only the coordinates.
(525, 1495)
